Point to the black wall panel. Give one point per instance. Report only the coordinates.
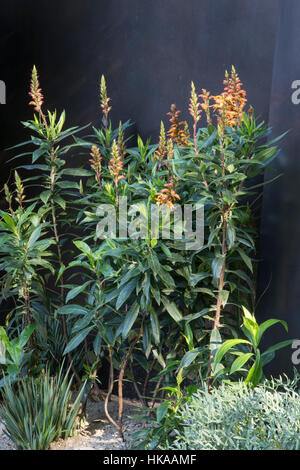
(149, 50)
(280, 224)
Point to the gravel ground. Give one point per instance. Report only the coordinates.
(97, 433)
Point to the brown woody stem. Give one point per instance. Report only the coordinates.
(121, 377)
(110, 387)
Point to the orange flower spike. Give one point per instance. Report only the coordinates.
(174, 118)
(178, 131)
(96, 162)
(230, 104)
(168, 194)
(104, 100)
(36, 91)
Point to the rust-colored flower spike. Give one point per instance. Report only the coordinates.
(178, 131)
(8, 198)
(121, 142)
(230, 104)
(205, 105)
(161, 151)
(168, 194)
(195, 112)
(96, 162)
(20, 190)
(104, 100)
(35, 91)
(116, 163)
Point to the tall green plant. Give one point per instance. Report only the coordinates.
(253, 332)
(150, 301)
(24, 252)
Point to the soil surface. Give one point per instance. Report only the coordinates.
(97, 433)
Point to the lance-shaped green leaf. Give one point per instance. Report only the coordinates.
(267, 324)
(239, 362)
(172, 309)
(226, 346)
(130, 318)
(78, 339)
(76, 291)
(125, 293)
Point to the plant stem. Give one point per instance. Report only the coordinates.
(136, 388)
(222, 275)
(156, 390)
(147, 379)
(121, 377)
(110, 387)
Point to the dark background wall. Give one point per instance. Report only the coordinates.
(149, 51)
(280, 226)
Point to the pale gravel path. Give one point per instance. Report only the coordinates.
(97, 433)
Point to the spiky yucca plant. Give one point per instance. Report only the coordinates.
(38, 411)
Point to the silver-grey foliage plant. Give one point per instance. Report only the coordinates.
(237, 417)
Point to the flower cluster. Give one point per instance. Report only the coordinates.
(104, 99)
(168, 194)
(229, 105)
(194, 106)
(116, 163)
(205, 105)
(170, 150)
(36, 91)
(178, 131)
(20, 190)
(121, 142)
(161, 152)
(96, 162)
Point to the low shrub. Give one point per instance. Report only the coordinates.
(38, 411)
(237, 417)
